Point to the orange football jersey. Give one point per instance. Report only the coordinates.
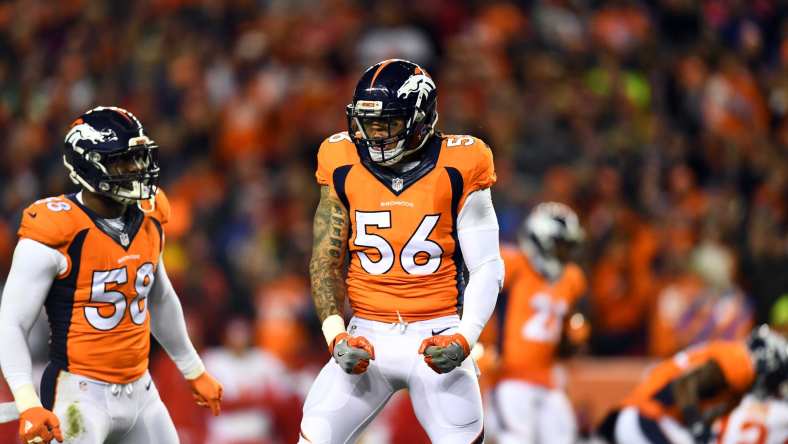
(534, 317)
(97, 308)
(654, 396)
(404, 253)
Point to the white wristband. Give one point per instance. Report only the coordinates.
(195, 372)
(332, 326)
(26, 398)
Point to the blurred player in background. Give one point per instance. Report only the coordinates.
(542, 287)
(762, 417)
(410, 206)
(756, 421)
(94, 260)
(682, 396)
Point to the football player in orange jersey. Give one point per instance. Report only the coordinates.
(403, 209)
(93, 261)
(682, 396)
(543, 287)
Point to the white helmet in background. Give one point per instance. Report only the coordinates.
(548, 236)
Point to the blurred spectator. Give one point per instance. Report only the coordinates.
(258, 396)
(188, 417)
(700, 304)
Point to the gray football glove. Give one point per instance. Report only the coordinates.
(352, 353)
(444, 353)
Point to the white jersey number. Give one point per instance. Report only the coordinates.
(545, 324)
(420, 255)
(55, 204)
(138, 310)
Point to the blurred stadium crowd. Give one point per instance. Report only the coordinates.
(664, 123)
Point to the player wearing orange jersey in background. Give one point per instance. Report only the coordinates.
(411, 207)
(93, 260)
(682, 396)
(542, 288)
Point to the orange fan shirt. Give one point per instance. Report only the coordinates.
(534, 317)
(404, 253)
(97, 308)
(654, 396)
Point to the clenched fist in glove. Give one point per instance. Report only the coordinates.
(352, 353)
(39, 425)
(444, 353)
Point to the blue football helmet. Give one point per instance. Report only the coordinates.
(769, 351)
(106, 151)
(397, 101)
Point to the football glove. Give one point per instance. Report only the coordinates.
(207, 392)
(444, 353)
(352, 353)
(39, 425)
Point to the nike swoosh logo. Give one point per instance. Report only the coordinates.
(436, 333)
(147, 387)
(33, 215)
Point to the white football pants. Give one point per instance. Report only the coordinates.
(632, 428)
(95, 412)
(532, 414)
(449, 407)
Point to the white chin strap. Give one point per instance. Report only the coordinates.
(393, 155)
(138, 192)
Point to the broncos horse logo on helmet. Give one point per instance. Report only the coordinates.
(384, 98)
(102, 139)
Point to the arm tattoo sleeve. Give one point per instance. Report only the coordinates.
(329, 247)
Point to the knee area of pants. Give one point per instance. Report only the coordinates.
(315, 431)
(456, 401)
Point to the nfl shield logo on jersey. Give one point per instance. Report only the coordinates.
(396, 184)
(124, 239)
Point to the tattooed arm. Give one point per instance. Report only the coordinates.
(327, 272)
(329, 247)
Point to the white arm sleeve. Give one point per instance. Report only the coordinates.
(169, 327)
(33, 269)
(477, 230)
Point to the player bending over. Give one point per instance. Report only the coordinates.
(682, 396)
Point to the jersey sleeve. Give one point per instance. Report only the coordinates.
(333, 153)
(736, 363)
(161, 210)
(336, 151)
(46, 222)
(482, 175)
(324, 167)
